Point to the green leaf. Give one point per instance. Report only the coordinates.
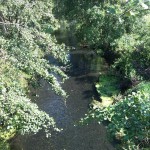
(144, 5)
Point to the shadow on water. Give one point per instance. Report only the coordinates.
(83, 73)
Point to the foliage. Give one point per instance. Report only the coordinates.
(26, 29)
(121, 30)
(108, 88)
(118, 28)
(128, 120)
(142, 86)
(133, 50)
(4, 146)
(22, 116)
(108, 85)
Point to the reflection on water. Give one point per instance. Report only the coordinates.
(83, 73)
(86, 62)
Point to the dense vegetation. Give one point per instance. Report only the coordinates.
(26, 29)
(128, 120)
(117, 30)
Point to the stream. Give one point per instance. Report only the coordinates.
(85, 70)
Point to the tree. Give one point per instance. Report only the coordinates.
(26, 29)
(119, 31)
(115, 29)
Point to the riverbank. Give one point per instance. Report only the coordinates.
(84, 71)
(127, 111)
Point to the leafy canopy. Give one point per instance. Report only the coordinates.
(119, 30)
(26, 28)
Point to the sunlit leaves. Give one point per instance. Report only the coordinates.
(24, 43)
(128, 119)
(144, 5)
(17, 112)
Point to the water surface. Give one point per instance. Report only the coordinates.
(85, 70)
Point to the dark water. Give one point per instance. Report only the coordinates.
(85, 70)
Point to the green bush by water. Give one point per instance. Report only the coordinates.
(4, 145)
(144, 86)
(128, 117)
(128, 120)
(108, 85)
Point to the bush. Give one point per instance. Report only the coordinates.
(143, 86)
(121, 30)
(128, 120)
(4, 145)
(26, 29)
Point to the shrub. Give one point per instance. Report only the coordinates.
(128, 120)
(26, 29)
